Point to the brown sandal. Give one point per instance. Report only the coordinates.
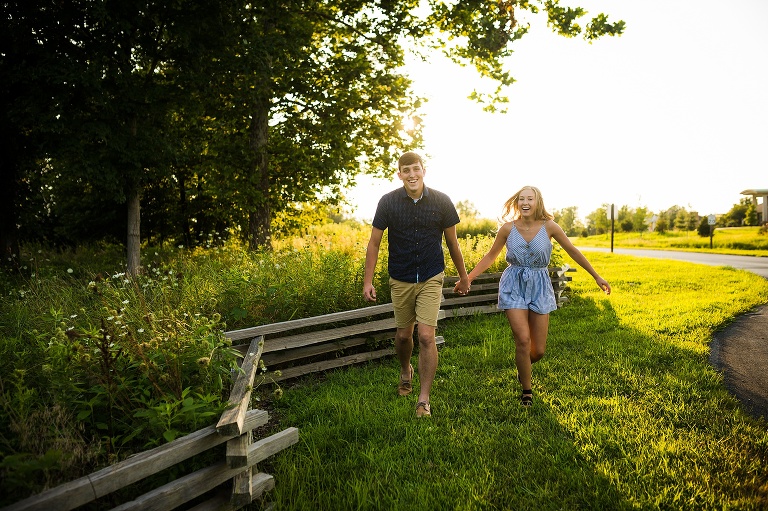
(406, 386)
(423, 409)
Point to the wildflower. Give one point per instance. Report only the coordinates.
(278, 393)
(70, 270)
(140, 330)
(204, 361)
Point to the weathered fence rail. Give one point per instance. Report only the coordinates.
(289, 349)
(239, 466)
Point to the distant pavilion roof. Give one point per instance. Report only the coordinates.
(762, 209)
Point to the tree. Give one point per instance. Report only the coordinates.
(681, 220)
(671, 215)
(704, 228)
(112, 95)
(639, 219)
(693, 221)
(735, 217)
(599, 221)
(750, 215)
(247, 109)
(567, 219)
(661, 224)
(467, 210)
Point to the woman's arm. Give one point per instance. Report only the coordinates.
(490, 257)
(556, 232)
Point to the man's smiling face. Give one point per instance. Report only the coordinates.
(412, 176)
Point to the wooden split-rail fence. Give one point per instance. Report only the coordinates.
(309, 345)
(288, 350)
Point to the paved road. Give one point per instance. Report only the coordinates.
(757, 265)
(740, 350)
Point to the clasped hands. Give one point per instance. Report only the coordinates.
(462, 287)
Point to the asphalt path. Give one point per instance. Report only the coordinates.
(757, 265)
(740, 350)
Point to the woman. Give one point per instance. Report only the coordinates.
(525, 288)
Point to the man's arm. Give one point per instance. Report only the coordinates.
(456, 256)
(371, 257)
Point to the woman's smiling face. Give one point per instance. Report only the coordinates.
(526, 202)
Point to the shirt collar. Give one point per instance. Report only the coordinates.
(404, 193)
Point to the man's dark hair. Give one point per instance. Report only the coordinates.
(409, 158)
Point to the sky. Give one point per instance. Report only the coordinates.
(672, 113)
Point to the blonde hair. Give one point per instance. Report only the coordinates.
(511, 209)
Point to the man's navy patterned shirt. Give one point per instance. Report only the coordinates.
(415, 232)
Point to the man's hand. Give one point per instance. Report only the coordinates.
(369, 293)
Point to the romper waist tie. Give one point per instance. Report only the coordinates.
(524, 275)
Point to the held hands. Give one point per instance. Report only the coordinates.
(462, 287)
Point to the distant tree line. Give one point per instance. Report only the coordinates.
(675, 218)
(153, 121)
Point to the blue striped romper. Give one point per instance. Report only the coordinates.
(525, 283)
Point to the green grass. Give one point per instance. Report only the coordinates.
(629, 414)
(730, 240)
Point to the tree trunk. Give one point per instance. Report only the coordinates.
(260, 217)
(133, 241)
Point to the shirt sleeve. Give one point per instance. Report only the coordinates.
(381, 217)
(450, 215)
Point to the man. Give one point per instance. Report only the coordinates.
(417, 218)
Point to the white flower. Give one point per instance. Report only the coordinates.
(70, 270)
(140, 330)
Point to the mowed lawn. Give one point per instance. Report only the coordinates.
(628, 412)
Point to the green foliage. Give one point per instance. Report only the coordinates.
(476, 227)
(221, 117)
(567, 219)
(467, 210)
(704, 229)
(736, 215)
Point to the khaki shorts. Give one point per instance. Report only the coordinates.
(417, 301)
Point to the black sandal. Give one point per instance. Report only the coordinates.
(526, 399)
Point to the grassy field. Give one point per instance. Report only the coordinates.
(731, 240)
(628, 413)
